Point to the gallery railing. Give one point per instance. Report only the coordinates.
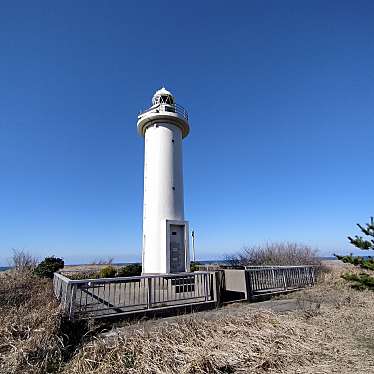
(171, 108)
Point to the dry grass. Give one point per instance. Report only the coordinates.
(336, 338)
(29, 325)
(252, 342)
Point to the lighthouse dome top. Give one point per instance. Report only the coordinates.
(164, 109)
(163, 96)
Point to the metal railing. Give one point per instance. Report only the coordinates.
(93, 298)
(162, 107)
(276, 266)
(275, 279)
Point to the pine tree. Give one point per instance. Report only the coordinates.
(362, 243)
(362, 280)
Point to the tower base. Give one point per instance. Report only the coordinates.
(171, 255)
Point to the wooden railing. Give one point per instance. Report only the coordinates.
(265, 280)
(93, 298)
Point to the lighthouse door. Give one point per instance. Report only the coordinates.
(177, 249)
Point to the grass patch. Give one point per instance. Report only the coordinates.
(361, 281)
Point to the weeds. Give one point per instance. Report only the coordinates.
(281, 254)
(35, 338)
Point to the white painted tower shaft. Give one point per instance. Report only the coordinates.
(165, 232)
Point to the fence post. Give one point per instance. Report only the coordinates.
(248, 282)
(149, 293)
(273, 276)
(284, 280)
(59, 289)
(73, 291)
(206, 286)
(219, 276)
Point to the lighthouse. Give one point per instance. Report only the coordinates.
(165, 232)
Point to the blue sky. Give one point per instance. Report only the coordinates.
(280, 96)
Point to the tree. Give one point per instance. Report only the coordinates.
(49, 266)
(359, 241)
(362, 243)
(362, 280)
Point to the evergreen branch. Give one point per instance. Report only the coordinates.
(361, 243)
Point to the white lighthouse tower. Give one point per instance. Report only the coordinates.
(165, 232)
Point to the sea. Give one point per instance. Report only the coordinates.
(204, 262)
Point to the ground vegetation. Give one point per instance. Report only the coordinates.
(335, 336)
(276, 254)
(48, 266)
(362, 280)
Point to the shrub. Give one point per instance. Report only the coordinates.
(364, 263)
(281, 254)
(23, 261)
(107, 272)
(194, 265)
(130, 270)
(82, 275)
(48, 266)
(103, 261)
(362, 281)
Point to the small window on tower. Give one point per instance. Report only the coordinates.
(174, 233)
(166, 99)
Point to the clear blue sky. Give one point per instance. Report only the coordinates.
(281, 102)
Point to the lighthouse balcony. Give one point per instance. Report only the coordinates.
(164, 107)
(164, 112)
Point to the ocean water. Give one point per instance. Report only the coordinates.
(205, 262)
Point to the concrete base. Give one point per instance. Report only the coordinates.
(161, 312)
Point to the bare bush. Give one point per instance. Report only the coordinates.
(23, 261)
(102, 261)
(276, 254)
